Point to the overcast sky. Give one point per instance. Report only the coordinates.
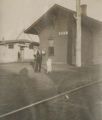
(16, 15)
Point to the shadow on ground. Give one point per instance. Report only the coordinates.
(18, 90)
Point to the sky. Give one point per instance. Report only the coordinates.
(16, 15)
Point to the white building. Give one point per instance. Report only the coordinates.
(17, 50)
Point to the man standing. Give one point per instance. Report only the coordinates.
(19, 55)
(38, 60)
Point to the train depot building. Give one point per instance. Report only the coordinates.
(57, 33)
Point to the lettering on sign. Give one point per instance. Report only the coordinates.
(63, 33)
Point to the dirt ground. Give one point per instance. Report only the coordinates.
(20, 86)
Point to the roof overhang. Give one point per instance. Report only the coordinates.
(45, 20)
(21, 41)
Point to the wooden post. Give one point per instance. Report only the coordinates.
(78, 34)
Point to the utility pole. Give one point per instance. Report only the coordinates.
(78, 34)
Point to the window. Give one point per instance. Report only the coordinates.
(11, 46)
(51, 43)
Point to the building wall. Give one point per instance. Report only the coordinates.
(61, 38)
(60, 45)
(11, 55)
(8, 55)
(87, 46)
(59, 31)
(97, 51)
(91, 46)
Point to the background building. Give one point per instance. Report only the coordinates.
(17, 50)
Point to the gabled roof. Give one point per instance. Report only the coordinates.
(45, 19)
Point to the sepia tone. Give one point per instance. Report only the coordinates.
(50, 60)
